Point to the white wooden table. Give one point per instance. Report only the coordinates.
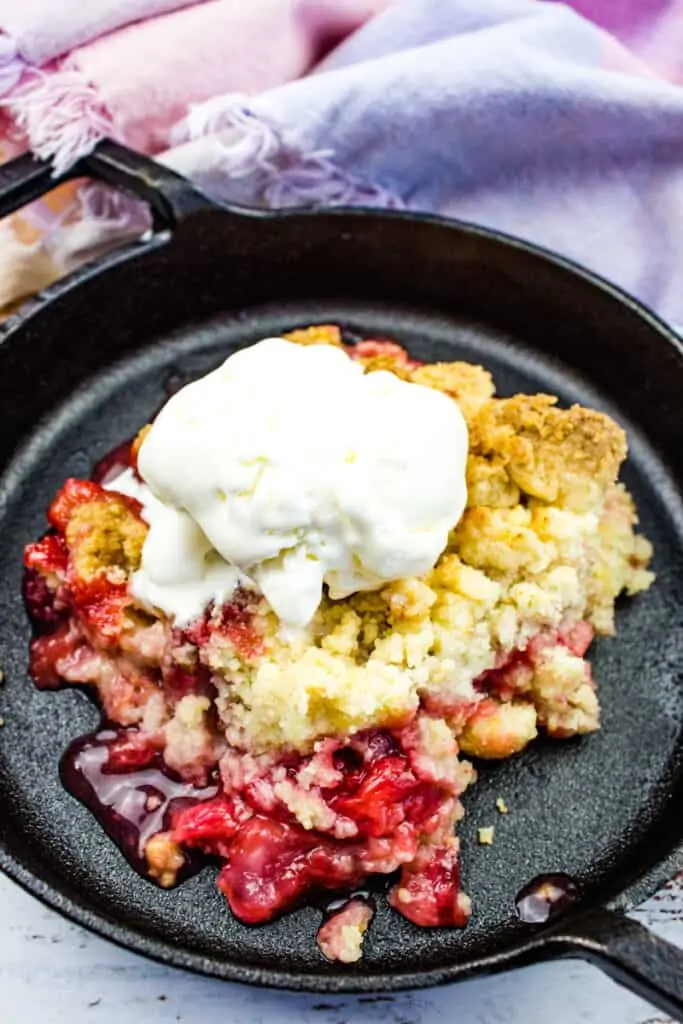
(52, 972)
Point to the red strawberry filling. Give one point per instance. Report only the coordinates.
(378, 802)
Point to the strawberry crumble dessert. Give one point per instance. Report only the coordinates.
(299, 624)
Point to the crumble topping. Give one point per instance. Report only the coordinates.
(165, 859)
(485, 835)
(564, 457)
(560, 554)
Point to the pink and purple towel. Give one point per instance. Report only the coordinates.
(559, 123)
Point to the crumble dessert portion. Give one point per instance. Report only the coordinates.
(321, 752)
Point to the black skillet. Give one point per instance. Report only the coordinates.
(84, 366)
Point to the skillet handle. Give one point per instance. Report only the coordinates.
(170, 196)
(629, 953)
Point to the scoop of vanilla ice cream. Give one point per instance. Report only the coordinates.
(296, 469)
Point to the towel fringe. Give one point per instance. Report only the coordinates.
(61, 115)
(280, 174)
(63, 119)
(103, 219)
(283, 174)
(119, 210)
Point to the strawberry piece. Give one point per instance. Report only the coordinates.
(267, 871)
(101, 604)
(46, 651)
(237, 624)
(48, 555)
(44, 605)
(371, 349)
(214, 821)
(129, 752)
(428, 892)
(376, 806)
(578, 638)
(75, 493)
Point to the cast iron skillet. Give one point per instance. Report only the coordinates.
(86, 364)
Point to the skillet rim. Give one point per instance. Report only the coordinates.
(540, 945)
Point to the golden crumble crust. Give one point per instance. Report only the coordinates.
(500, 733)
(489, 484)
(105, 535)
(559, 456)
(319, 334)
(165, 859)
(386, 361)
